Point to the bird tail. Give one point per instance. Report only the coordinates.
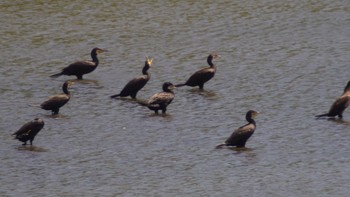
(56, 75)
(34, 105)
(220, 145)
(180, 85)
(116, 95)
(318, 116)
(142, 102)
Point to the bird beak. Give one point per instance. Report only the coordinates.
(70, 83)
(149, 60)
(102, 51)
(256, 114)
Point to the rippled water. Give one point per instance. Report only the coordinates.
(286, 59)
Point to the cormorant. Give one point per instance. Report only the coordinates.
(136, 84)
(81, 68)
(161, 100)
(54, 103)
(240, 136)
(29, 130)
(202, 76)
(339, 105)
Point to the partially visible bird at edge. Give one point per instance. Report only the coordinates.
(339, 106)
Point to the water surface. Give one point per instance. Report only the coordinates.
(287, 59)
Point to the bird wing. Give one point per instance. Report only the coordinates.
(36, 127)
(241, 135)
(161, 97)
(136, 83)
(78, 66)
(57, 100)
(24, 129)
(339, 105)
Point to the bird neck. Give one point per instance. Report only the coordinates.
(210, 61)
(94, 57)
(250, 120)
(347, 88)
(65, 88)
(145, 69)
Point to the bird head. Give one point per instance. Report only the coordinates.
(252, 113)
(98, 50)
(69, 83)
(214, 55)
(168, 86)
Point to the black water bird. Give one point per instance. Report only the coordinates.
(29, 130)
(54, 103)
(81, 68)
(339, 106)
(136, 84)
(202, 76)
(240, 136)
(161, 100)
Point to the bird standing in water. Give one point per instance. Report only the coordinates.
(240, 136)
(202, 76)
(136, 84)
(54, 103)
(81, 68)
(161, 100)
(339, 106)
(29, 130)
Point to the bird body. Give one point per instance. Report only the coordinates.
(54, 103)
(29, 130)
(200, 77)
(132, 87)
(203, 75)
(161, 100)
(136, 84)
(240, 136)
(339, 106)
(81, 68)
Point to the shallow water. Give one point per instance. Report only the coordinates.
(287, 59)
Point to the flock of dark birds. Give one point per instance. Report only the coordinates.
(158, 101)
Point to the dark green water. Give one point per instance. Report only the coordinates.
(287, 59)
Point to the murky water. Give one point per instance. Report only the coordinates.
(286, 59)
